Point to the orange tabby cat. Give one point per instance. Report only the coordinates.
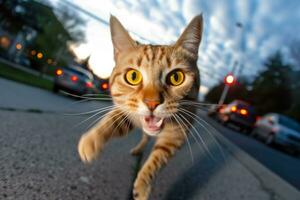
(149, 85)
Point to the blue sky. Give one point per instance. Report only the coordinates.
(268, 25)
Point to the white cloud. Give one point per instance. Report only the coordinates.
(268, 25)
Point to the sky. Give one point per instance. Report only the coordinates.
(267, 26)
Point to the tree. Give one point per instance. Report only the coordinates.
(272, 87)
(294, 110)
(54, 31)
(72, 21)
(85, 63)
(237, 91)
(295, 52)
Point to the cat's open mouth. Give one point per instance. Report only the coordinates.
(152, 124)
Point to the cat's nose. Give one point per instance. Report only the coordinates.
(152, 103)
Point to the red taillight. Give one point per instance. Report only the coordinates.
(89, 84)
(74, 78)
(233, 109)
(104, 86)
(243, 112)
(257, 118)
(59, 72)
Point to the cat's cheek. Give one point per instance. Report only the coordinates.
(136, 120)
(181, 91)
(161, 111)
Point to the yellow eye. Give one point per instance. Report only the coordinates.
(175, 78)
(133, 77)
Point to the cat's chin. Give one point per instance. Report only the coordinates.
(152, 125)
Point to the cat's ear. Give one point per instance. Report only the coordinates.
(191, 37)
(120, 37)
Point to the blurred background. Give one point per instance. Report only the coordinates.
(244, 38)
(249, 61)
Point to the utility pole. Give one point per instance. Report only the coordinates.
(231, 76)
(229, 81)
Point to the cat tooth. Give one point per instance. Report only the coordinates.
(159, 123)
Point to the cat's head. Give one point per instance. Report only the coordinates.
(149, 82)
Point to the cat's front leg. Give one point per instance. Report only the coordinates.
(92, 142)
(166, 145)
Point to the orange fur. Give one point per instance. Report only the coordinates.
(154, 98)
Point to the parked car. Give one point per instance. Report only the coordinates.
(22, 60)
(239, 113)
(102, 86)
(278, 129)
(73, 79)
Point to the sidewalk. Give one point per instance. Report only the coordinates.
(239, 177)
(16, 95)
(26, 69)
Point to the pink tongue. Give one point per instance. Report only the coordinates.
(151, 121)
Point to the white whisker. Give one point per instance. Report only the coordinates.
(89, 112)
(197, 118)
(85, 97)
(198, 103)
(122, 120)
(97, 119)
(101, 111)
(187, 139)
(199, 136)
(92, 95)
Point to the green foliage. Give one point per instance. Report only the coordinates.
(72, 22)
(294, 110)
(11, 73)
(272, 87)
(214, 94)
(236, 91)
(55, 31)
(275, 89)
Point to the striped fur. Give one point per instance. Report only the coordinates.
(154, 62)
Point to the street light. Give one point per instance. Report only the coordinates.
(18, 46)
(39, 55)
(229, 79)
(33, 52)
(4, 41)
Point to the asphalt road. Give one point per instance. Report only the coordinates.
(285, 165)
(19, 96)
(39, 161)
(39, 158)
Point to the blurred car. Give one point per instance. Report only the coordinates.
(22, 60)
(73, 79)
(102, 86)
(214, 109)
(278, 129)
(239, 113)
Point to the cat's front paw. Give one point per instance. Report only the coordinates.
(89, 146)
(141, 190)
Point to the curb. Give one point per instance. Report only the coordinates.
(270, 181)
(25, 69)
